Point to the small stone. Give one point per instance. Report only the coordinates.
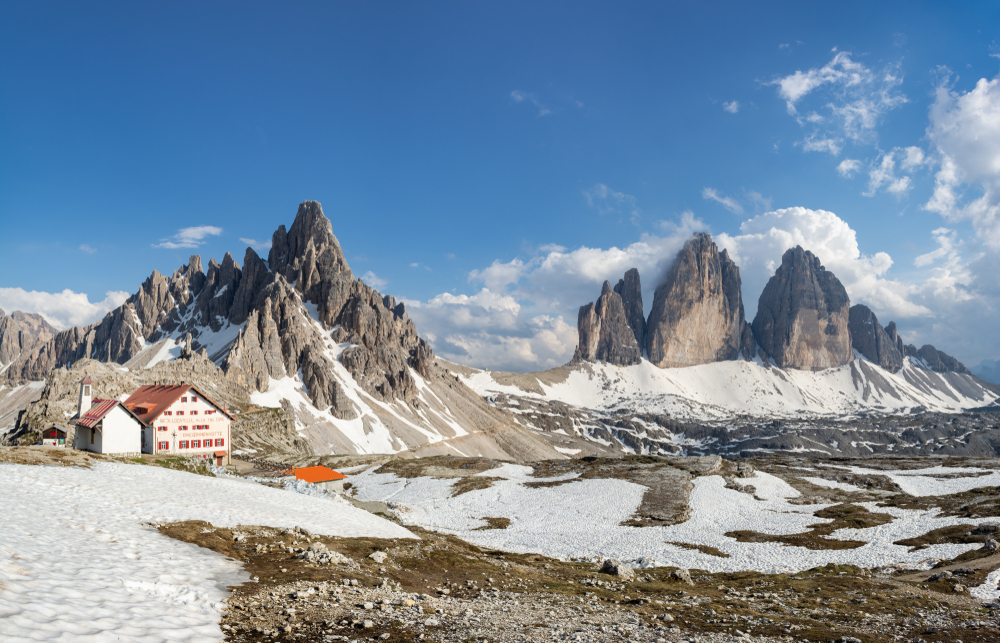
(431, 622)
(368, 625)
(379, 557)
(384, 636)
(667, 617)
(847, 639)
(369, 606)
(408, 603)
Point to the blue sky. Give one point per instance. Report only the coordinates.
(528, 149)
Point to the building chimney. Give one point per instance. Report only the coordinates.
(86, 396)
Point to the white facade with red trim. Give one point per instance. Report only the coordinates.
(190, 426)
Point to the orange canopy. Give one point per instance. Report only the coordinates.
(318, 474)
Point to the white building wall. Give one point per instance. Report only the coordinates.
(191, 414)
(118, 433)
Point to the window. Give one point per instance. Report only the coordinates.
(194, 398)
(168, 412)
(180, 412)
(92, 436)
(220, 442)
(163, 446)
(184, 399)
(194, 412)
(182, 428)
(210, 412)
(183, 444)
(161, 428)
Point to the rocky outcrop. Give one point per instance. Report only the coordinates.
(874, 342)
(19, 332)
(604, 331)
(630, 291)
(697, 315)
(935, 360)
(803, 315)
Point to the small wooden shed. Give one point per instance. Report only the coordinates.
(322, 477)
(54, 436)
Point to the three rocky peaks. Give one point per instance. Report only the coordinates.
(804, 319)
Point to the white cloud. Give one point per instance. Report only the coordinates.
(259, 246)
(85, 248)
(489, 330)
(948, 245)
(965, 130)
(757, 250)
(524, 317)
(62, 309)
(913, 158)
(732, 106)
(608, 201)
(189, 237)
(372, 279)
(728, 203)
(815, 143)
(760, 202)
(519, 96)
(848, 168)
(855, 96)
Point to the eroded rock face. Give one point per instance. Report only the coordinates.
(936, 360)
(19, 332)
(630, 291)
(697, 315)
(803, 315)
(605, 333)
(871, 340)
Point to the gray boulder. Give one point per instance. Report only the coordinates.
(615, 567)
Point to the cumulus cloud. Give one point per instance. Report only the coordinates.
(523, 317)
(854, 97)
(259, 246)
(61, 309)
(883, 174)
(85, 248)
(732, 106)
(372, 279)
(729, 203)
(757, 250)
(965, 130)
(608, 201)
(519, 96)
(489, 329)
(189, 237)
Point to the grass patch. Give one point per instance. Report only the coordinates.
(494, 523)
(843, 516)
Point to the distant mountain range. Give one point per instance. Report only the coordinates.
(347, 365)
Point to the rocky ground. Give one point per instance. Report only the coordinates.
(442, 589)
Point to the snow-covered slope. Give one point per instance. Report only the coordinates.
(725, 390)
(77, 564)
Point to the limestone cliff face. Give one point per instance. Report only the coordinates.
(697, 315)
(630, 291)
(871, 340)
(802, 317)
(19, 332)
(605, 333)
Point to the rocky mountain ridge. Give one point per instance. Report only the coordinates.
(19, 333)
(804, 319)
(300, 332)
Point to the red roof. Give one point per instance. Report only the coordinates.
(148, 402)
(220, 454)
(97, 412)
(318, 474)
(86, 379)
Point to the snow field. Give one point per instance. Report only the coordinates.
(582, 519)
(77, 564)
(725, 389)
